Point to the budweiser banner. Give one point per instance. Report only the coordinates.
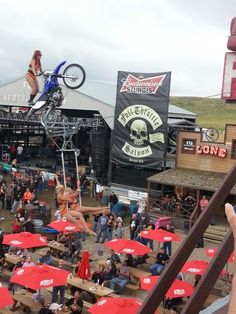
(141, 119)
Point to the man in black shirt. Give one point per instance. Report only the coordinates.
(17, 196)
(161, 260)
(75, 304)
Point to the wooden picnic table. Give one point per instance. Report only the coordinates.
(134, 272)
(12, 258)
(56, 246)
(25, 299)
(89, 286)
(61, 248)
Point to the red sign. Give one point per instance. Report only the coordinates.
(212, 150)
(229, 77)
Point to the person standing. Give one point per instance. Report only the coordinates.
(102, 222)
(110, 226)
(203, 203)
(34, 69)
(133, 227)
(168, 245)
(19, 152)
(9, 197)
(61, 289)
(17, 196)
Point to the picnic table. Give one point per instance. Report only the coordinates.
(25, 298)
(89, 286)
(59, 247)
(56, 246)
(136, 273)
(12, 258)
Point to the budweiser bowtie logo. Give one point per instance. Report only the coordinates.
(148, 85)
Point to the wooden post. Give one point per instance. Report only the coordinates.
(209, 278)
(148, 196)
(156, 295)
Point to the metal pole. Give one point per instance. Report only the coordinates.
(77, 174)
(63, 168)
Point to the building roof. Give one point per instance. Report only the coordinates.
(189, 178)
(93, 96)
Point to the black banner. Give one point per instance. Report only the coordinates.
(141, 119)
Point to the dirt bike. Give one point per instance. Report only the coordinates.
(52, 97)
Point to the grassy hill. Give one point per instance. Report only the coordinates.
(212, 112)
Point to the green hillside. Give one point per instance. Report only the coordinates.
(212, 112)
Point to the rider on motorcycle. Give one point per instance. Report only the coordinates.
(34, 69)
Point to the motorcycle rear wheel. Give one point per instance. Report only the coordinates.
(77, 74)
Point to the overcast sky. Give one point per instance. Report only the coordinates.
(185, 37)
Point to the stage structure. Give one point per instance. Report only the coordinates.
(61, 131)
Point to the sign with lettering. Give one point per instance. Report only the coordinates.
(212, 150)
(139, 136)
(189, 146)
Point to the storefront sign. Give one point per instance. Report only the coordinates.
(212, 150)
(189, 146)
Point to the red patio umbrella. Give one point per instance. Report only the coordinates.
(178, 289)
(160, 235)
(5, 297)
(127, 246)
(84, 269)
(63, 226)
(25, 240)
(231, 258)
(40, 276)
(116, 306)
(197, 267)
(211, 252)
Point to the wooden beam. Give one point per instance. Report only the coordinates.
(177, 261)
(208, 280)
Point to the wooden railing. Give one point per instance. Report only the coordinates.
(194, 216)
(205, 285)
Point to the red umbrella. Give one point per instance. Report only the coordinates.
(40, 276)
(197, 267)
(126, 246)
(116, 306)
(25, 240)
(178, 289)
(84, 269)
(213, 251)
(231, 258)
(5, 297)
(63, 226)
(160, 235)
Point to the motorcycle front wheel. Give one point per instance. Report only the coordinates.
(74, 76)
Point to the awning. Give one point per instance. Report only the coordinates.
(192, 179)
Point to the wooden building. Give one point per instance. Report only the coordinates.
(200, 168)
